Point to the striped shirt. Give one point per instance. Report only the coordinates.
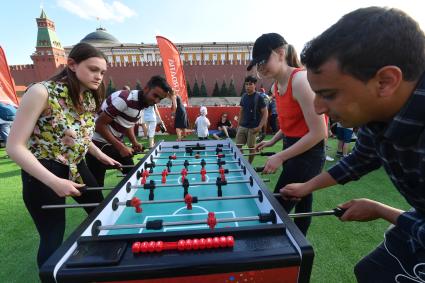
(398, 146)
(125, 108)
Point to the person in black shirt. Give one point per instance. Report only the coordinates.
(252, 117)
(223, 126)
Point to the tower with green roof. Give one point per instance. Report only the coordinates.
(49, 55)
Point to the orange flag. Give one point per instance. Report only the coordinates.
(173, 68)
(7, 87)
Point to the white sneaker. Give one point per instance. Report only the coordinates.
(328, 158)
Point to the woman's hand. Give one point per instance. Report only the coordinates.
(273, 163)
(295, 191)
(105, 159)
(262, 145)
(65, 188)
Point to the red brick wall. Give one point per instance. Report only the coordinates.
(129, 75)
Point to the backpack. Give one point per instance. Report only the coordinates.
(7, 112)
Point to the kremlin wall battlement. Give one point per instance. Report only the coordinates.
(131, 73)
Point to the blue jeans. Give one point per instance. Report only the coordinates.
(300, 169)
(4, 131)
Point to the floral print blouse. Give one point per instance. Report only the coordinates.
(61, 133)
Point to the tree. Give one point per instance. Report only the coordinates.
(111, 88)
(196, 89)
(243, 90)
(203, 89)
(232, 89)
(216, 91)
(223, 90)
(189, 91)
(138, 85)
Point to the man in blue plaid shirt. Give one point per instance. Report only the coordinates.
(367, 71)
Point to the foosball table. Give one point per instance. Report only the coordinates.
(188, 211)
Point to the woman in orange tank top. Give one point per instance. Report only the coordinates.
(301, 129)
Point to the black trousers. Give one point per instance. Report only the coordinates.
(397, 259)
(300, 169)
(98, 169)
(273, 123)
(50, 223)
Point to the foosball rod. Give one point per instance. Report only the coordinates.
(218, 162)
(257, 169)
(127, 203)
(149, 186)
(193, 145)
(226, 171)
(159, 224)
(213, 156)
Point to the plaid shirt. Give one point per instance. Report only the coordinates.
(399, 146)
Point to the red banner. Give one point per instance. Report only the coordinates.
(7, 87)
(173, 68)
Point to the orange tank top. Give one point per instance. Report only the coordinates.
(291, 118)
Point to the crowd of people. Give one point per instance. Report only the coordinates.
(65, 134)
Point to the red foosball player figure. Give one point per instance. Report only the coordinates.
(188, 200)
(203, 174)
(211, 221)
(164, 176)
(184, 173)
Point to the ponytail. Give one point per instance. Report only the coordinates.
(292, 57)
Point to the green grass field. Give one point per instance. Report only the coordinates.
(337, 245)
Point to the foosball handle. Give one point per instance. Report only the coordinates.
(259, 169)
(267, 153)
(338, 212)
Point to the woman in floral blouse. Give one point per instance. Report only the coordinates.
(50, 138)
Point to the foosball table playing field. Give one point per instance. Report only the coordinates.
(188, 211)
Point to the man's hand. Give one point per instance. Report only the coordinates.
(262, 145)
(361, 210)
(273, 163)
(295, 191)
(125, 151)
(137, 147)
(256, 130)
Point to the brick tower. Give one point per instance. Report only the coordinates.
(49, 56)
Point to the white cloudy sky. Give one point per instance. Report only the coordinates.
(135, 21)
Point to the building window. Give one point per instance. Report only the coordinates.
(126, 59)
(134, 58)
(230, 56)
(239, 56)
(142, 58)
(182, 57)
(223, 56)
(149, 57)
(198, 57)
(214, 57)
(118, 59)
(190, 57)
(110, 59)
(206, 57)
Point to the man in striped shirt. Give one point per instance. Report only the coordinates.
(367, 71)
(116, 119)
